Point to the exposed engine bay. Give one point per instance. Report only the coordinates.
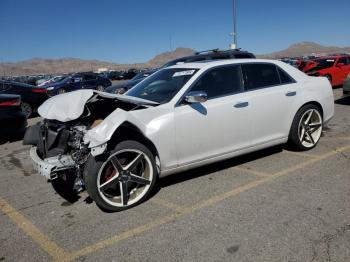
(60, 149)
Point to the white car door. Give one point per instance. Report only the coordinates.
(218, 126)
(273, 101)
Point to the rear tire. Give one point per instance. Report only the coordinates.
(306, 128)
(122, 179)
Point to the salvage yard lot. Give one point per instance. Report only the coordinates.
(273, 205)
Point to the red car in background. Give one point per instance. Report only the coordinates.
(335, 68)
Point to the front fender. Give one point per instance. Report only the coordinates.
(102, 133)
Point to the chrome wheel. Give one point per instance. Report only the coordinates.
(125, 177)
(26, 109)
(310, 128)
(100, 88)
(61, 91)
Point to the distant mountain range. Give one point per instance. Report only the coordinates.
(306, 48)
(69, 65)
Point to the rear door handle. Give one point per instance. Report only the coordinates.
(241, 104)
(291, 93)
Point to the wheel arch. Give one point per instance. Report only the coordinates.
(315, 103)
(129, 131)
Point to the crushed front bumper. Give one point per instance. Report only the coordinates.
(50, 166)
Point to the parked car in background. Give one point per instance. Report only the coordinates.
(13, 121)
(215, 54)
(335, 68)
(127, 75)
(78, 81)
(346, 86)
(31, 96)
(180, 117)
(51, 80)
(113, 75)
(122, 87)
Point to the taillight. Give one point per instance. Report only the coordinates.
(14, 102)
(39, 90)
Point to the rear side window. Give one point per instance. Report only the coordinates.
(285, 78)
(260, 75)
(220, 81)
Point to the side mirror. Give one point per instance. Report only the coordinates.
(196, 97)
(340, 64)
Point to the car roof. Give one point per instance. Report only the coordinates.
(331, 57)
(213, 63)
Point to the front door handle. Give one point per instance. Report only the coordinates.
(241, 104)
(291, 93)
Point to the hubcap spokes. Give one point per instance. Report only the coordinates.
(128, 177)
(310, 128)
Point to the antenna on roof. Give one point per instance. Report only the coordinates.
(234, 33)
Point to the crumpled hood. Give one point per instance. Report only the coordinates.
(70, 106)
(65, 107)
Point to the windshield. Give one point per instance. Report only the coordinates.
(163, 85)
(325, 62)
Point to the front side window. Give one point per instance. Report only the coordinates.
(163, 85)
(220, 81)
(260, 75)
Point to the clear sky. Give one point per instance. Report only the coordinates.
(135, 31)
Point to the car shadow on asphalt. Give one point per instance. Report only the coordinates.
(345, 101)
(216, 167)
(10, 138)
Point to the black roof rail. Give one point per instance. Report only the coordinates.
(217, 50)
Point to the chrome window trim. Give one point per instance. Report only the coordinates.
(293, 81)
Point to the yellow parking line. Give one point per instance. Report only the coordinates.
(335, 138)
(250, 171)
(167, 204)
(187, 210)
(301, 154)
(33, 232)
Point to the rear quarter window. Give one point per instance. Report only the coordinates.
(260, 75)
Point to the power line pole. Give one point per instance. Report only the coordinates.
(234, 33)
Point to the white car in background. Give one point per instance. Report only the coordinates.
(181, 117)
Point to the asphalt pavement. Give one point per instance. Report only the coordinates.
(272, 205)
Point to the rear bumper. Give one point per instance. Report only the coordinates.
(50, 166)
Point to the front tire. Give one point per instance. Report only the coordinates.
(306, 128)
(122, 179)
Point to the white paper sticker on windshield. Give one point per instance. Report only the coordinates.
(184, 73)
(330, 60)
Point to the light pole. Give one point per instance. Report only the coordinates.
(234, 33)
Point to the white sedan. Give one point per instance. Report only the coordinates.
(181, 117)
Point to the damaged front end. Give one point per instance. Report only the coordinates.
(61, 146)
(58, 150)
